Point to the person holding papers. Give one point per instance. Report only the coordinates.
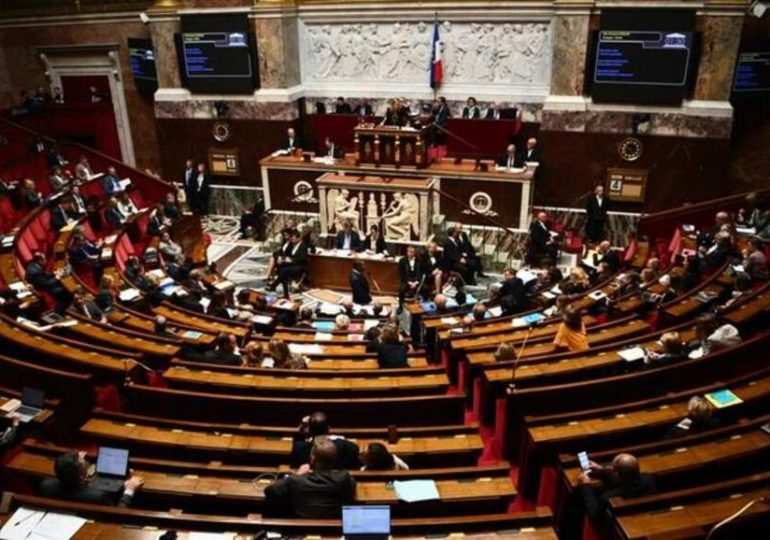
(700, 417)
(37, 274)
(83, 170)
(571, 334)
(672, 350)
(78, 203)
(112, 215)
(87, 308)
(317, 490)
(88, 254)
(111, 183)
(411, 274)
(61, 215)
(331, 150)
(348, 238)
(58, 179)
(509, 160)
(359, 284)
(126, 206)
(70, 483)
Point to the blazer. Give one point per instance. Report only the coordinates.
(471, 112)
(530, 155)
(502, 161)
(466, 246)
(111, 184)
(379, 246)
(297, 254)
(171, 211)
(52, 488)
(154, 225)
(514, 288)
(342, 109)
(93, 311)
(595, 211)
(202, 191)
(359, 286)
(595, 504)
(291, 144)
(539, 235)
(114, 218)
(222, 358)
(442, 116)
(40, 278)
(355, 240)
(347, 452)
(390, 355)
(59, 218)
(452, 253)
(428, 266)
(364, 110)
(82, 253)
(407, 274)
(315, 495)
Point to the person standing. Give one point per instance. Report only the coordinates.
(202, 190)
(596, 214)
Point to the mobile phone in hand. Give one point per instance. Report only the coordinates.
(585, 464)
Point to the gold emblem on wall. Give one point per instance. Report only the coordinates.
(221, 131)
(630, 149)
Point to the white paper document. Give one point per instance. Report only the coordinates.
(631, 355)
(20, 524)
(57, 527)
(416, 490)
(301, 348)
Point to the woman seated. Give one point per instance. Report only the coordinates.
(700, 417)
(376, 457)
(754, 260)
(218, 306)
(341, 322)
(672, 349)
(571, 334)
(282, 357)
(126, 206)
(577, 282)
(108, 293)
(391, 352)
(253, 354)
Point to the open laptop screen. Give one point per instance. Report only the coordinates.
(112, 461)
(365, 520)
(33, 397)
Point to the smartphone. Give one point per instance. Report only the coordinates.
(585, 464)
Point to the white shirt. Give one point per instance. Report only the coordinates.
(346, 237)
(200, 180)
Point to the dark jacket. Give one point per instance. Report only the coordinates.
(222, 358)
(292, 144)
(364, 110)
(390, 355)
(114, 218)
(595, 502)
(40, 278)
(534, 156)
(111, 184)
(355, 240)
(59, 218)
(51, 487)
(429, 266)
(359, 286)
(407, 274)
(514, 289)
(316, 495)
(90, 309)
(379, 244)
(502, 161)
(471, 112)
(347, 452)
(539, 236)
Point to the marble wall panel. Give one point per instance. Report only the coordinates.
(569, 54)
(721, 38)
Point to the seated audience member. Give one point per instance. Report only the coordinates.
(433, 266)
(305, 318)
(359, 283)
(471, 109)
(84, 253)
(411, 274)
(61, 215)
(126, 205)
(700, 417)
(371, 336)
(291, 262)
(341, 322)
(71, 484)
(719, 252)
(160, 328)
(30, 196)
(571, 334)
(397, 114)
(78, 203)
(225, 353)
(58, 179)
(713, 336)
(542, 244)
(392, 353)
(342, 107)
(364, 108)
(548, 278)
(54, 157)
(348, 238)
(42, 95)
(509, 160)
(317, 425)
(83, 170)
(291, 143)
(513, 288)
(441, 302)
(282, 357)
(741, 289)
(754, 260)
(251, 220)
(319, 489)
(134, 274)
(108, 294)
(9, 435)
(111, 183)
(494, 112)
(156, 220)
(87, 308)
(171, 250)
(621, 479)
(532, 153)
(253, 355)
(577, 282)
(607, 256)
(504, 353)
(331, 150)
(309, 239)
(653, 265)
(112, 215)
(454, 287)
(171, 211)
(218, 306)
(40, 278)
(672, 350)
(559, 306)
(477, 314)
(374, 242)
(376, 457)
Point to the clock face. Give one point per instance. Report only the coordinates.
(630, 149)
(221, 131)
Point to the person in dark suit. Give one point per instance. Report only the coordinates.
(170, 208)
(454, 259)
(396, 115)
(531, 152)
(513, 288)
(112, 215)
(364, 108)
(155, 221)
(201, 190)
(78, 203)
(111, 183)
(317, 425)
(471, 109)
(331, 150)
(61, 215)
(342, 107)
(468, 251)
(374, 242)
(317, 490)
(291, 143)
(291, 263)
(622, 479)
(607, 257)
(433, 266)
(70, 483)
(85, 253)
(160, 328)
(441, 112)
(347, 238)
(135, 275)
(392, 353)
(9, 434)
(411, 274)
(252, 219)
(188, 182)
(509, 160)
(721, 250)
(541, 243)
(87, 308)
(359, 284)
(54, 158)
(224, 354)
(30, 196)
(596, 214)
(700, 417)
(40, 278)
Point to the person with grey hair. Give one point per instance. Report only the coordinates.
(623, 478)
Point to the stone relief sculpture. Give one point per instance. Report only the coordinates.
(509, 53)
(341, 208)
(402, 217)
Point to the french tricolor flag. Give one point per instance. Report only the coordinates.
(436, 67)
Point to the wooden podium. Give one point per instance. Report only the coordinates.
(390, 146)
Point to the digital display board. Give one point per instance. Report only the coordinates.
(752, 70)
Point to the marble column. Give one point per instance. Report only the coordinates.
(721, 39)
(277, 46)
(163, 26)
(570, 31)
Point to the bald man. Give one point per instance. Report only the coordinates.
(509, 160)
(541, 244)
(622, 478)
(531, 153)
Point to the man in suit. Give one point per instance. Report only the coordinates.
(112, 215)
(317, 425)
(170, 209)
(155, 221)
(622, 479)
(87, 308)
(111, 183)
(61, 215)
(411, 274)
(512, 288)
(40, 278)
(433, 266)
(364, 108)
(342, 107)
(70, 483)
(454, 257)
(225, 352)
(201, 190)
(252, 220)
(54, 158)
(531, 152)
(396, 115)
(596, 214)
(441, 112)
(135, 275)
(317, 490)
(607, 257)
(468, 251)
(359, 284)
(292, 142)
(58, 180)
(83, 252)
(188, 182)
(291, 263)
(374, 242)
(331, 150)
(78, 203)
(509, 160)
(541, 243)
(494, 112)
(347, 238)
(471, 109)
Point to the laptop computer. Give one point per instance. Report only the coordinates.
(111, 469)
(366, 522)
(32, 402)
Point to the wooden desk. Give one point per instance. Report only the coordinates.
(390, 146)
(331, 271)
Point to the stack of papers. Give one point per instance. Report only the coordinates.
(597, 295)
(262, 319)
(322, 336)
(301, 348)
(526, 276)
(416, 490)
(192, 334)
(632, 355)
(129, 294)
(40, 525)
